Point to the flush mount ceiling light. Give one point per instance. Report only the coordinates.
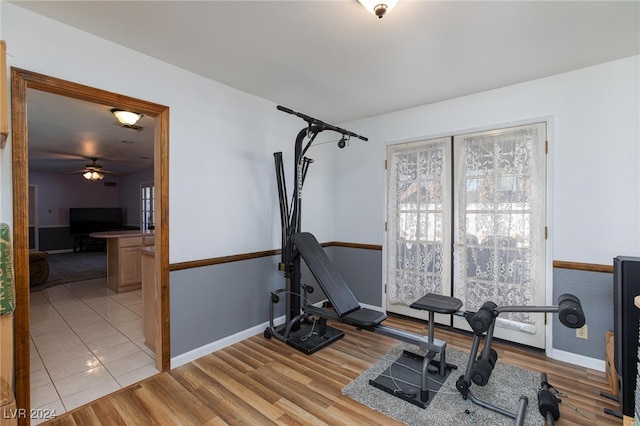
(378, 7)
(127, 118)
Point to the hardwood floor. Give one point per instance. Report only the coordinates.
(259, 382)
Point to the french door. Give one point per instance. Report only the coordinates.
(466, 217)
(418, 246)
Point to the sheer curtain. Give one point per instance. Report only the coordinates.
(500, 207)
(418, 217)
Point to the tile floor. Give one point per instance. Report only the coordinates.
(86, 342)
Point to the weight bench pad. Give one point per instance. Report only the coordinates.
(364, 318)
(437, 303)
(329, 279)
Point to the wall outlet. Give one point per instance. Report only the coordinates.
(582, 332)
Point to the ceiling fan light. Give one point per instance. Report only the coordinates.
(378, 7)
(127, 118)
(92, 175)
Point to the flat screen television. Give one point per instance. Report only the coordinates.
(85, 220)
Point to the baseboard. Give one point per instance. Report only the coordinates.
(581, 360)
(59, 251)
(194, 354)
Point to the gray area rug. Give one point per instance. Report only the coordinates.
(448, 407)
(71, 267)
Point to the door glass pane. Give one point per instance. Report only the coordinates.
(500, 214)
(416, 233)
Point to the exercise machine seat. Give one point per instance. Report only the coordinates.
(437, 303)
(364, 318)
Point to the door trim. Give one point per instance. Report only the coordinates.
(21, 80)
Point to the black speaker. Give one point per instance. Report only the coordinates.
(626, 316)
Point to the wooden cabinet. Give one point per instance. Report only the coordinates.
(130, 269)
(150, 291)
(124, 260)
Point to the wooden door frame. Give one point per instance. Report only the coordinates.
(21, 80)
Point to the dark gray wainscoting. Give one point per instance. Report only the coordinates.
(55, 238)
(362, 270)
(210, 303)
(595, 290)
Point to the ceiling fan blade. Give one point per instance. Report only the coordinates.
(96, 169)
(47, 155)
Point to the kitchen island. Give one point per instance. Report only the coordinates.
(124, 263)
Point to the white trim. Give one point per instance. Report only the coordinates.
(194, 354)
(576, 359)
(549, 285)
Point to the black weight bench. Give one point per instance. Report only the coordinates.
(347, 309)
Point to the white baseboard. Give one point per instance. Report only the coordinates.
(194, 354)
(177, 361)
(581, 360)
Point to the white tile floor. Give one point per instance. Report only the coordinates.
(86, 342)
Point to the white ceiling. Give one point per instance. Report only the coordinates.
(65, 133)
(335, 61)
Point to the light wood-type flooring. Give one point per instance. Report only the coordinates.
(260, 382)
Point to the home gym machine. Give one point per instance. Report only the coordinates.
(548, 401)
(308, 335)
(298, 330)
(480, 367)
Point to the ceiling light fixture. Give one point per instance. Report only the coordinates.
(92, 175)
(378, 7)
(127, 118)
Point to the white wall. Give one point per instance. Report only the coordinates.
(594, 161)
(56, 193)
(223, 198)
(129, 195)
(222, 186)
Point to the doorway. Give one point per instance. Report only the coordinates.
(21, 81)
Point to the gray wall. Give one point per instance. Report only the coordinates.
(595, 291)
(214, 302)
(129, 195)
(54, 238)
(362, 270)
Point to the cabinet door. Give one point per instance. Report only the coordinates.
(130, 266)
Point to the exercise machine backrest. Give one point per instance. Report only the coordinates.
(329, 279)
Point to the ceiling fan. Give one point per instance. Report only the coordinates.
(94, 172)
